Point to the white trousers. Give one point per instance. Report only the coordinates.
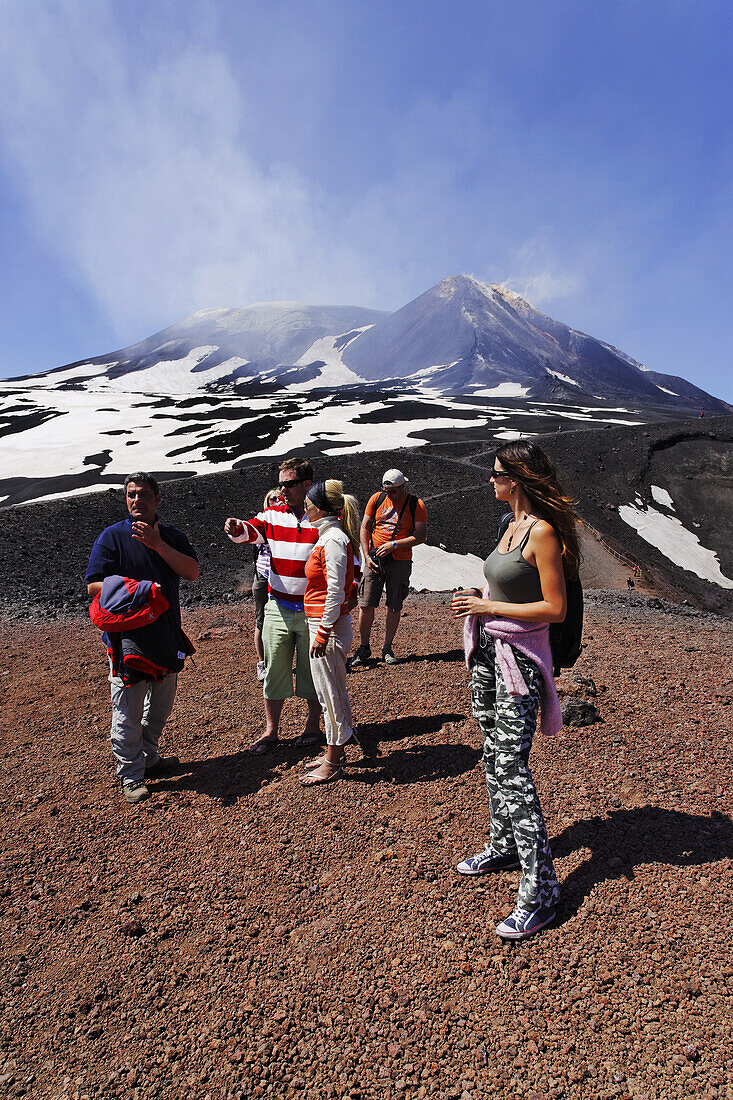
(139, 713)
(329, 680)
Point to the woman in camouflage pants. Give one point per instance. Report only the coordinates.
(511, 664)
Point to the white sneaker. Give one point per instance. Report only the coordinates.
(260, 670)
(525, 922)
(488, 860)
(135, 792)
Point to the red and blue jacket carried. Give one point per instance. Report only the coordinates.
(143, 640)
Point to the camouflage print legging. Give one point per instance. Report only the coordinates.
(508, 725)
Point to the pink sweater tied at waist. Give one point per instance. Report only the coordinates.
(531, 639)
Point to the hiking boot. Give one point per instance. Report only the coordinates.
(360, 658)
(260, 670)
(135, 792)
(486, 861)
(388, 656)
(525, 922)
(161, 766)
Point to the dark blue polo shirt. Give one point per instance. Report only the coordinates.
(116, 552)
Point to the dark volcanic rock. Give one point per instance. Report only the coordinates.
(579, 712)
(44, 547)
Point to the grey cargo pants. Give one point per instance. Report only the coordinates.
(139, 713)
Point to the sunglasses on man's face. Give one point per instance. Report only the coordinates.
(289, 484)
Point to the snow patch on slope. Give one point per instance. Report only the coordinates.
(562, 377)
(142, 437)
(337, 426)
(504, 389)
(436, 570)
(169, 375)
(335, 372)
(662, 497)
(83, 490)
(51, 380)
(509, 435)
(166, 377)
(428, 372)
(682, 547)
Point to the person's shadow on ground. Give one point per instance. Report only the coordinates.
(229, 777)
(450, 656)
(625, 839)
(418, 764)
(415, 763)
(235, 775)
(390, 730)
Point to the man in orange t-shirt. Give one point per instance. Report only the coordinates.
(394, 521)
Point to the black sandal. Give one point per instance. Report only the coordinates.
(307, 739)
(263, 746)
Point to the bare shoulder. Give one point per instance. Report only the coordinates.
(544, 535)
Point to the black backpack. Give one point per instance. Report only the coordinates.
(566, 638)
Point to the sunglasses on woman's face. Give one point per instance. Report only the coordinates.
(500, 473)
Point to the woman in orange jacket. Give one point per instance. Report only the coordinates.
(328, 602)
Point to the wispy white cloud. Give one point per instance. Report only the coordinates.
(145, 180)
(539, 275)
(543, 286)
(145, 184)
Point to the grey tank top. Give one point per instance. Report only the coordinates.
(510, 577)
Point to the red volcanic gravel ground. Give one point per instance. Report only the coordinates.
(240, 936)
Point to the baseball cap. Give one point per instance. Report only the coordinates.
(392, 478)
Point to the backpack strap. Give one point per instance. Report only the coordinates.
(504, 522)
(411, 501)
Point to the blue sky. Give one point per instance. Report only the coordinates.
(161, 158)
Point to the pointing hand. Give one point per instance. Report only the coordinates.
(234, 527)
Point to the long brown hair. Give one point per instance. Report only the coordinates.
(538, 476)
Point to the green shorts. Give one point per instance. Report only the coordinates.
(285, 634)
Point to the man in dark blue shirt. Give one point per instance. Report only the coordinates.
(142, 548)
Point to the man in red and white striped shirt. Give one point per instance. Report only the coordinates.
(291, 537)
